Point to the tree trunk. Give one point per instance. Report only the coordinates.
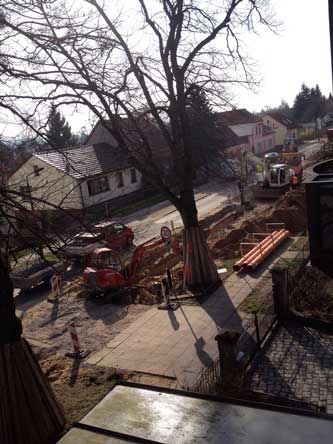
(29, 411)
(200, 271)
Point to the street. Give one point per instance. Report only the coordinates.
(147, 223)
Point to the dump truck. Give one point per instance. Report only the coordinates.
(292, 157)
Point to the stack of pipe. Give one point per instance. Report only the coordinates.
(261, 251)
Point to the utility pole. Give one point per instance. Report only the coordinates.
(29, 191)
(330, 18)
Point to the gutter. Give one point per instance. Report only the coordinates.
(81, 194)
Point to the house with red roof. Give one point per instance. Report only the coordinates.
(251, 130)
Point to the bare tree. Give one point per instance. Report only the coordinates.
(132, 71)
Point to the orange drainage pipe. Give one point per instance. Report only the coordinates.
(270, 245)
(260, 246)
(267, 251)
(271, 238)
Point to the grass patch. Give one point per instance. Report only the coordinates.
(259, 299)
(136, 206)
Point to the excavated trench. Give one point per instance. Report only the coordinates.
(225, 231)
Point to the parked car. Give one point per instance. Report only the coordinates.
(37, 273)
(104, 234)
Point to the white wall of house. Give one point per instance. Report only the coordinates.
(265, 144)
(49, 184)
(282, 132)
(256, 139)
(101, 135)
(114, 190)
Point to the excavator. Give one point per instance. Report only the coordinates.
(275, 179)
(109, 274)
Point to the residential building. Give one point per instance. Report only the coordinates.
(79, 180)
(161, 154)
(282, 125)
(259, 137)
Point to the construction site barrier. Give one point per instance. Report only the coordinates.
(74, 338)
(56, 287)
(77, 353)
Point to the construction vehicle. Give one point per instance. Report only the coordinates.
(275, 179)
(292, 157)
(109, 273)
(110, 234)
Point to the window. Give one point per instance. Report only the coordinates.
(25, 189)
(120, 179)
(36, 170)
(99, 185)
(133, 175)
(256, 130)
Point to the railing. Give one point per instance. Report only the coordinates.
(295, 269)
(208, 378)
(255, 329)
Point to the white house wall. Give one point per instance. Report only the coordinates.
(101, 135)
(256, 140)
(114, 191)
(52, 186)
(281, 131)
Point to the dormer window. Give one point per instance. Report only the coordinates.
(36, 170)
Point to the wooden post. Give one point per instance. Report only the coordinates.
(229, 368)
(280, 292)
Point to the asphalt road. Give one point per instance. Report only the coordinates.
(147, 223)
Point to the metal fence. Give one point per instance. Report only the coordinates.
(208, 379)
(255, 329)
(295, 270)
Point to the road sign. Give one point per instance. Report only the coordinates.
(165, 233)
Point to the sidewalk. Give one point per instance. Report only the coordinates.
(179, 344)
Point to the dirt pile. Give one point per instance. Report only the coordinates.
(291, 209)
(313, 296)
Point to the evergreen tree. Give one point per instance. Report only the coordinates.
(203, 129)
(309, 104)
(59, 134)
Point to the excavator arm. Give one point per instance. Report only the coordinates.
(139, 253)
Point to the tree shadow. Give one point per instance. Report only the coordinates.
(75, 371)
(107, 313)
(173, 320)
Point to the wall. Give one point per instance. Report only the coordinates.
(281, 131)
(256, 139)
(52, 185)
(265, 144)
(114, 191)
(100, 135)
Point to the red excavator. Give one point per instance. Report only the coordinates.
(108, 272)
